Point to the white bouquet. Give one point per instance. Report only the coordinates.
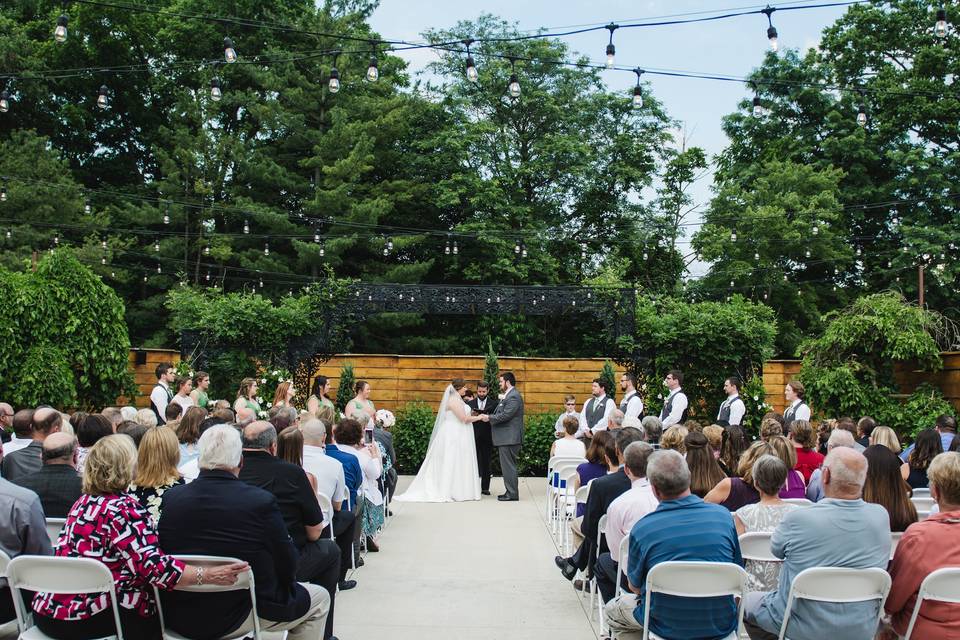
(385, 418)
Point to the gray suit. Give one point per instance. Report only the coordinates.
(507, 427)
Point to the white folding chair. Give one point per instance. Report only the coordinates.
(54, 526)
(942, 585)
(594, 592)
(835, 584)
(894, 541)
(755, 545)
(559, 491)
(551, 469)
(922, 492)
(54, 574)
(695, 580)
(922, 503)
(922, 515)
(7, 628)
(244, 583)
(326, 506)
(568, 508)
(623, 555)
(800, 502)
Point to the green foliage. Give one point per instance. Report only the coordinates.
(754, 399)
(345, 387)
(609, 376)
(63, 337)
(538, 437)
(849, 369)
(411, 435)
(919, 412)
(491, 368)
(269, 379)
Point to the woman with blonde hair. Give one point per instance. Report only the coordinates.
(770, 427)
(108, 525)
(805, 442)
(734, 493)
(795, 487)
(247, 396)
(887, 437)
(284, 395)
(157, 460)
(673, 438)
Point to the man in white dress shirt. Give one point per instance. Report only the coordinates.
(631, 404)
(733, 408)
(22, 431)
(596, 411)
(161, 395)
(797, 409)
(675, 405)
(569, 410)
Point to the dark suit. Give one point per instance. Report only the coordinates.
(603, 491)
(58, 486)
(483, 437)
(218, 514)
(385, 438)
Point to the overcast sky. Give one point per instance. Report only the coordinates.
(730, 47)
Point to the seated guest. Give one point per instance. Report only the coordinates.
(770, 427)
(57, 483)
(887, 437)
(673, 437)
(245, 416)
(927, 447)
(24, 532)
(865, 427)
(795, 486)
(172, 413)
(157, 472)
(188, 432)
(603, 491)
(839, 531)
(838, 438)
(109, 525)
(601, 460)
(352, 472)
(732, 445)
(22, 431)
(89, 427)
(684, 528)
(146, 417)
(219, 515)
(946, 427)
(568, 446)
(129, 413)
(283, 416)
(738, 491)
(29, 459)
(653, 429)
(319, 557)
(848, 424)
(805, 442)
(924, 548)
(615, 420)
(290, 448)
(133, 429)
(331, 482)
(714, 435)
(705, 473)
(350, 439)
(623, 513)
(385, 439)
(769, 473)
(886, 487)
(191, 469)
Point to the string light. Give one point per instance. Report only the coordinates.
(334, 84)
(373, 71)
(316, 237)
(166, 214)
(206, 250)
(815, 230)
(583, 252)
(514, 86)
(471, 66)
(103, 244)
(159, 268)
(771, 30)
(87, 207)
(862, 116)
(611, 50)
(638, 91)
(229, 53)
(208, 275)
(323, 251)
(103, 101)
(940, 28)
(60, 32)
(456, 249)
(246, 226)
(156, 246)
(733, 236)
(757, 107)
(3, 192)
(266, 248)
(4, 101)
(215, 92)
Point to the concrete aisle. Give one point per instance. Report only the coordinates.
(464, 571)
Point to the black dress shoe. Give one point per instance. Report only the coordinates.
(506, 498)
(485, 492)
(372, 546)
(346, 585)
(566, 568)
(359, 562)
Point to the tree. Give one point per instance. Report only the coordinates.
(491, 368)
(609, 376)
(345, 388)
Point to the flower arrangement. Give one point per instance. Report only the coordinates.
(385, 419)
(268, 380)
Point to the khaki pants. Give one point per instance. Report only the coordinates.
(307, 627)
(577, 534)
(619, 616)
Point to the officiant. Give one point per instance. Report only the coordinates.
(483, 403)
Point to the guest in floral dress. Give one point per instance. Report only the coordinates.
(349, 435)
(769, 473)
(110, 526)
(156, 469)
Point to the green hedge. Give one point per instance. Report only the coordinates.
(411, 436)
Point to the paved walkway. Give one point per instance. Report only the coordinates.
(464, 571)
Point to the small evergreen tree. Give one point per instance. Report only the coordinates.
(345, 388)
(609, 376)
(491, 368)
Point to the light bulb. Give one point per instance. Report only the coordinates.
(144, 277)
(756, 255)
(60, 33)
(103, 260)
(645, 255)
(523, 252)
(334, 83)
(757, 107)
(514, 86)
(390, 244)
(208, 276)
(246, 226)
(215, 93)
(373, 72)
(637, 97)
(807, 253)
(206, 250)
(472, 74)
(862, 118)
(102, 100)
(3, 193)
(940, 29)
(611, 52)
(4, 101)
(9, 234)
(166, 216)
(733, 236)
(316, 238)
(261, 283)
(446, 249)
(516, 248)
(386, 251)
(229, 53)
(456, 249)
(266, 249)
(815, 230)
(156, 246)
(323, 251)
(87, 208)
(159, 269)
(772, 36)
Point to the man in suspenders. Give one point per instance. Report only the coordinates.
(161, 395)
(675, 406)
(632, 404)
(596, 410)
(733, 408)
(797, 409)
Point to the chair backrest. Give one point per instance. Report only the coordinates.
(583, 493)
(836, 584)
(55, 574)
(54, 526)
(894, 541)
(557, 459)
(921, 492)
(922, 503)
(800, 502)
(623, 557)
(922, 515)
(326, 505)
(695, 580)
(4, 561)
(942, 585)
(755, 545)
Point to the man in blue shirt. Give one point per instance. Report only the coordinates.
(947, 428)
(683, 527)
(352, 473)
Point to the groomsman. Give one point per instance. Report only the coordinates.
(675, 406)
(483, 404)
(632, 404)
(797, 409)
(596, 410)
(733, 408)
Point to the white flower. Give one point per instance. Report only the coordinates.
(269, 404)
(263, 381)
(756, 398)
(276, 373)
(660, 396)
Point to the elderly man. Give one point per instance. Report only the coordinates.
(615, 421)
(57, 483)
(6, 421)
(30, 459)
(319, 557)
(838, 438)
(22, 532)
(839, 531)
(624, 512)
(683, 527)
(245, 416)
(22, 423)
(217, 514)
(653, 429)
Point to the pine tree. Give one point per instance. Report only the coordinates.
(345, 388)
(491, 368)
(609, 377)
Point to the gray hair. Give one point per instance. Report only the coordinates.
(635, 458)
(848, 468)
(769, 473)
(616, 418)
(129, 413)
(314, 431)
(147, 417)
(668, 472)
(58, 446)
(265, 438)
(840, 438)
(653, 427)
(220, 448)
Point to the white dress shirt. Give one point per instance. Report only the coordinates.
(736, 410)
(184, 401)
(634, 405)
(15, 444)
(802, 413)
(190, 470)
(159, 398)
(372, 469)
(558, 428)
(328, 471)
(679, 406)
(624, 512)
(608, 408)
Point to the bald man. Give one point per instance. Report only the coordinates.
(245, 416)
(58, 484)
(6, 421)
(30, 458)
(839, 531)
(22, 423)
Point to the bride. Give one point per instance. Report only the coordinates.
(449, 470)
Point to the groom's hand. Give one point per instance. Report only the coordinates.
(485, 417)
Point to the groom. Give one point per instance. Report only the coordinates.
(507, 426)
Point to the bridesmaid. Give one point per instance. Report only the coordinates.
(201, 382)
(284, 395)
(361, 408)
(247, 396)
(318, 398)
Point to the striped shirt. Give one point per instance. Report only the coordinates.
(684, 529)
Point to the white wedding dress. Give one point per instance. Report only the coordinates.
(449, 470)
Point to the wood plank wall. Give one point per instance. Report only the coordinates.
(145, 375)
